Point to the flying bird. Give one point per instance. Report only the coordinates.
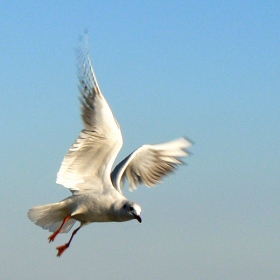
(86, 169)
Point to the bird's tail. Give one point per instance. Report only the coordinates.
(51, 216)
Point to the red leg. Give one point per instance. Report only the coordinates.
(62, 248)
(53, 236)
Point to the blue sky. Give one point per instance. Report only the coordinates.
(208, 70)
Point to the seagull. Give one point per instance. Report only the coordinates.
(86, 169)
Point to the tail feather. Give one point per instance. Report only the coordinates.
(51, 216)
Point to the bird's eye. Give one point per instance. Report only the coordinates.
(130, 208)
(124, 206)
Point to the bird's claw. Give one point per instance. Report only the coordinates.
(61, 249)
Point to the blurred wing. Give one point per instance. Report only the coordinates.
(88, 163)
(149, 164)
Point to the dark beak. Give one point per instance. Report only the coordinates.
(138, 218)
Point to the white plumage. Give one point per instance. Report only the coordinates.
(87, 167)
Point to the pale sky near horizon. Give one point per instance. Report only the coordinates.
(207, 70)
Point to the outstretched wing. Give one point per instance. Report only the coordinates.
(88, 163)
(149, 164)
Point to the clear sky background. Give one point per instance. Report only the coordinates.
(208, 70)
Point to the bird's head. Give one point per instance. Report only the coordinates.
(132, 210)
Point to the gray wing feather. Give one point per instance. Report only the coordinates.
(88, 163)
(149, 164)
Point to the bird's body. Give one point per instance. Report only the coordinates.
(87, 168)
